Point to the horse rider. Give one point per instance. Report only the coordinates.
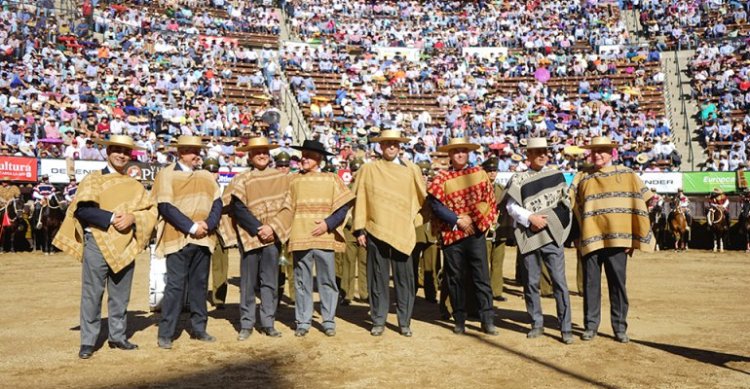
(684, 204)
(43, 191)
(657, 200)
(718, 199)
(70, 190)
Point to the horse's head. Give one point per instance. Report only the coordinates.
(14, 208)
(53, 201)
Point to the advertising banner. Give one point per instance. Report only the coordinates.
(705, 182)
(18, 169)
(663, 182)
(57, 169)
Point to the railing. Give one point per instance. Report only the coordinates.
(683, 108)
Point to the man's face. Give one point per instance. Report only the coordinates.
(260, 158)
(283, 169)
(390, 149)
(459, 157)
(538, 158)
(601, 157)
(492, 175)
(190, 156)
(311, 160)
(118, 157)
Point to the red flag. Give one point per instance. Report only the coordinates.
(6, 220)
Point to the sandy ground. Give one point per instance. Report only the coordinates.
(688, 323)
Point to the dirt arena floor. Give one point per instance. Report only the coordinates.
(689, 324)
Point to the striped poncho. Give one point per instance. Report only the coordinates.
(610, 205)
(543, 193)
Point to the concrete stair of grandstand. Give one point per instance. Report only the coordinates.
(683, 123)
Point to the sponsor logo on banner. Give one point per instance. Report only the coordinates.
(345, 175)
(57, 169)
(18, 169)
(663, 182)
(705, 182)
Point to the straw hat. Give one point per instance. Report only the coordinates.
(600, 142)
(516, 157)
(458, 143)
(189, 141)
(537, 143)
(394, 135)
(642, 158)
(260, 142)
(573, 150)
(119, 140)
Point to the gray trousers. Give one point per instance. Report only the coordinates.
(380, 258)
(325, 265)
(189, 268)
(615, 263)
(262, 265)
(553, 257)
(94, 274)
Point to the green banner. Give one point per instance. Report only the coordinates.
(705, 182)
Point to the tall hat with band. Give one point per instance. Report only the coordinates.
(536, 143)
(189, 141)
(600, 142)
(390, 135)
(256, 143)
(119, 140)
(314, 146)
(459, 143)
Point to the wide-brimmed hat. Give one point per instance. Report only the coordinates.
(260, 142)
(642, 158)
(119, 140)
(394, 135)
(718, 190)
(459, 143)
(536, 143)
(516, 157)
(312, 145)
(600, 142)
(189, 141)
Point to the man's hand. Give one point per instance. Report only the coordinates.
(538, 222)
(362, 240)
(466, 224)
(202, 230)
(123, 221)
(629, 251)
(265, 233)
(320, 228)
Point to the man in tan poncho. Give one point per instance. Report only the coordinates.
(389, 194)
(320, 202)
(189, 212)
(262, 216)
(108, 224)
(610, 206)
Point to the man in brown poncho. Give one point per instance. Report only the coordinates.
(106, 227)
(190, 206)
(262, 216)
(389, 194)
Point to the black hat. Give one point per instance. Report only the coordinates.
(312, 145)
(491, 164)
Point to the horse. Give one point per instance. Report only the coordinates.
(745, 222)
(718, 222)
(13, 235)
(677, 222)
(47, 220)
(656, 216)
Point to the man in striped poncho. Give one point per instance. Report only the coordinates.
(609, 203)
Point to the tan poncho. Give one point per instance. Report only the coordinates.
(113, 192)
(265, 194)
(193, 193)
(8, 193)
(610, 206)
(389, 198)
(315, 196)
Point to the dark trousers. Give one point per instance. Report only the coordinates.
(426, 253)
(469, 255)
(615, 262)
(95, 274)
(552, 257)
(380, 258)
(187, 268)
(262, 265)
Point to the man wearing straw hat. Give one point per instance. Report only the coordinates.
(190, 208)
(463, 199)
(610, 204)
(537, 201)
(389, 195)
(108, 224)
(319, 202)
(262, 215)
